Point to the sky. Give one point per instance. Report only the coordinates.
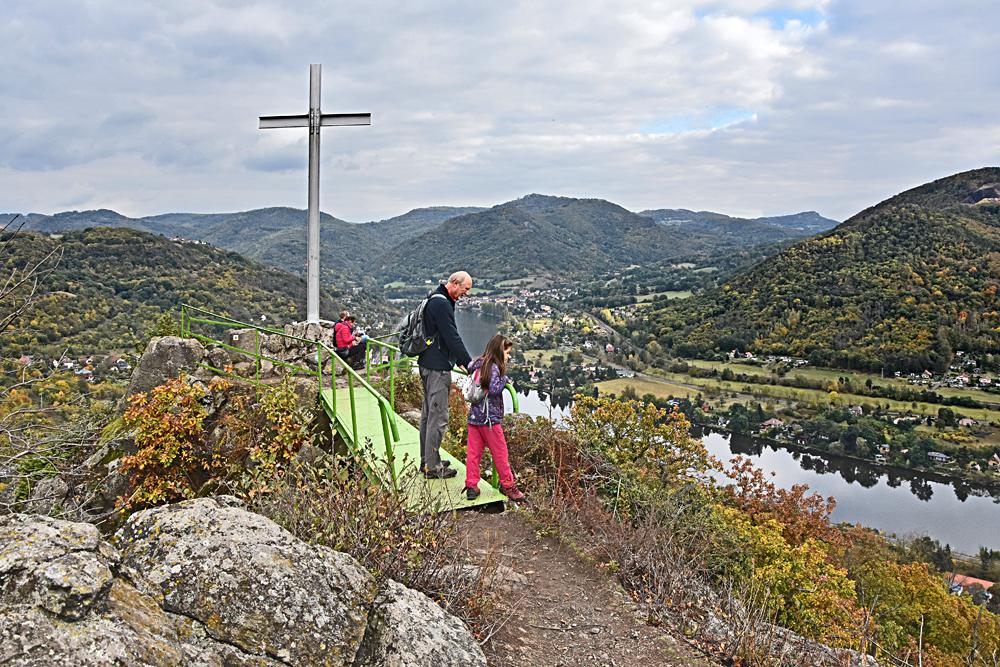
(745, 107)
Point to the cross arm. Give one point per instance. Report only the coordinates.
(269, 122)
(326, 120)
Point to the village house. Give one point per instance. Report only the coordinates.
(994, 462)
(938, 457)
(962, 583)
(774, 422)
(967, 421)
(856, 410)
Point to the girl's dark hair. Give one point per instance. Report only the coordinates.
(493, 356)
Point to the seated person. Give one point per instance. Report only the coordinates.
(349, 346)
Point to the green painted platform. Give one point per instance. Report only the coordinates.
(444, 494)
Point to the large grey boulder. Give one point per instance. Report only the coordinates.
(248, 582)
(205, 583)
(60, 603)
(165, 357)
(408, 630)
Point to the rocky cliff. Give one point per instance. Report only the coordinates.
(205, 582)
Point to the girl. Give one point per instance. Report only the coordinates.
(485, 417)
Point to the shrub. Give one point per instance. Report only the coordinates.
(639, 436)
(170, 462)
(263, 428)
(253, 434)
(409, 390)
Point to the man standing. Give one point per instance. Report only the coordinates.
(435, 364)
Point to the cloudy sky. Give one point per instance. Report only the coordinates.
(747, 107)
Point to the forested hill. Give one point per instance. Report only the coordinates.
(902, 285)
(532, 235)
(539, 234)
(112, 285)
(274, 236)
(748, 231)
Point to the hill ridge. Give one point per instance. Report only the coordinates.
(900, 285)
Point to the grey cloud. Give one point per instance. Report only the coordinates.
(477, 103)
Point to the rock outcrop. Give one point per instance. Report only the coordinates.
(407, 623)
(205, 582)
(165, 358)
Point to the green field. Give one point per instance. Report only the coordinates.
(515, 282)
(745, 369)
(643, 298)
(858, 379)
(396, 284)
(821, 397)
(540, 357)
(643, 386)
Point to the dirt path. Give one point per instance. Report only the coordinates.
(563, 611)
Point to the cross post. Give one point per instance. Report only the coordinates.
(314, 120)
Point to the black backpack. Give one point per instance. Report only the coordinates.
(413, 338)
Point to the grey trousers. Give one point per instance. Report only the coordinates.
(433, 415)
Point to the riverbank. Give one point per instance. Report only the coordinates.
(895, 499)
(989, 484)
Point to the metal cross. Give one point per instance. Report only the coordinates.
(314, 120)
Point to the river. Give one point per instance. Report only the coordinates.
(897, 502)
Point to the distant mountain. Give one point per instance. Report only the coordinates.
(421, 220)
(537, 234)
(809, 222)
(72, 220)
(534, 234)
(751, 231)
(274, 236)
(900, 285)
(111, 285)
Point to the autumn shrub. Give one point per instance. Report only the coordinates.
(640, 436)
(796, 583)
(263, 428)
(253, 434)
(549, 461)
(801, 515)
(171, 462)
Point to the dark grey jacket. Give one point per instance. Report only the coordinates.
(439, 322)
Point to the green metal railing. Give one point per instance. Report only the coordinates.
(325, 357)
(380, 357)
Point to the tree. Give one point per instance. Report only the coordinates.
(22, 447)
(946, 417)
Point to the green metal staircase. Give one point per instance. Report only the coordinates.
(366, 420)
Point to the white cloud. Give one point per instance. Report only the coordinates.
(760, 106)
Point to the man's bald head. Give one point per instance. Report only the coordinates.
(458, 284)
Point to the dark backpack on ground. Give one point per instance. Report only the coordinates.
(413, 338)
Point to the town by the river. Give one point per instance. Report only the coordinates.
(897, 502)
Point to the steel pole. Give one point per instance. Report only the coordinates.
(312, 267)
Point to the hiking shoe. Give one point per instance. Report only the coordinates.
(512, 492)
(440, 473)
(471, 493)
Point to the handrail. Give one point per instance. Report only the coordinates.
(390, 428)
(393, 359)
